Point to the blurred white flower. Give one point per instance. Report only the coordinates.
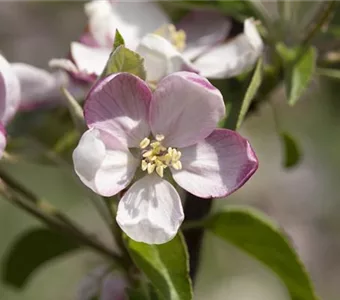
(102, 284)
(198, 45)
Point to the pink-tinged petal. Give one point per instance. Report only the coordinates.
(203, 30)
(103, 163)
(9, 91)
(69, 66)
(38, 87)
(161, 58)
(102, 283)
(119, 105)
(88, 40)
(217, 166)
(150, 211)
(233, 58)
(113, 287)
(3, 140)
(185, 108)
(88, 60)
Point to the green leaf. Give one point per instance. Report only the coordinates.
(124, 60)
(31, 250)
(119, 40)
(299, 75)
(331, 73)
(166, 266)
(251, 92)
(144, 292)
(255, 234)
(292, 153)
(76, 111)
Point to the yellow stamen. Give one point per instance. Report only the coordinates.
(177, 165)
(148, 153)
(144, 165)
(175, 37)
(154, 145)
(157, 158)
(177, 156)
(151, 168)
(160, 171)
(144, 143)
(170, 151)
(159, 137)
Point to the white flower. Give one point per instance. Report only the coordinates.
(163, 47)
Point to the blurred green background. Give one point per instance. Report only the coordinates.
(304, 200)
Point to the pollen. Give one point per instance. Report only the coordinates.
(175, 37)
(157, 158)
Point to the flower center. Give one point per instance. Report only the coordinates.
(175, 37)
(156, 157)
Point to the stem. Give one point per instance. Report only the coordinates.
(193, 225)
(111, 204)
(14, 193)
(322, 19)
(195, 209)
(59, 161)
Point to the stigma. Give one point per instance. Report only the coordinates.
(156, 157)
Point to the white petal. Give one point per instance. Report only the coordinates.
(89, 60)
(253, 36)
(234, 57)
(3, 140)
(161, 58)
(150, 211)
(9, 91)
(63, 64)
(103, 163)
(101, 22)
(204, 29)
(132, 19)
(37, 85)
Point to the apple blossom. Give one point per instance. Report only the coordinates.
(25, 87)
(151, 139)
(233, 57)
(162, 46)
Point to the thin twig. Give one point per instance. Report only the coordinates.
(95, 199)
(83, 238)
(322, 19)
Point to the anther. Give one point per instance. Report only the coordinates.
(160, 171)
(159, 137)
(144, 143)
(148, 153)
(151, 168)
(144, 165)
(177, 165)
